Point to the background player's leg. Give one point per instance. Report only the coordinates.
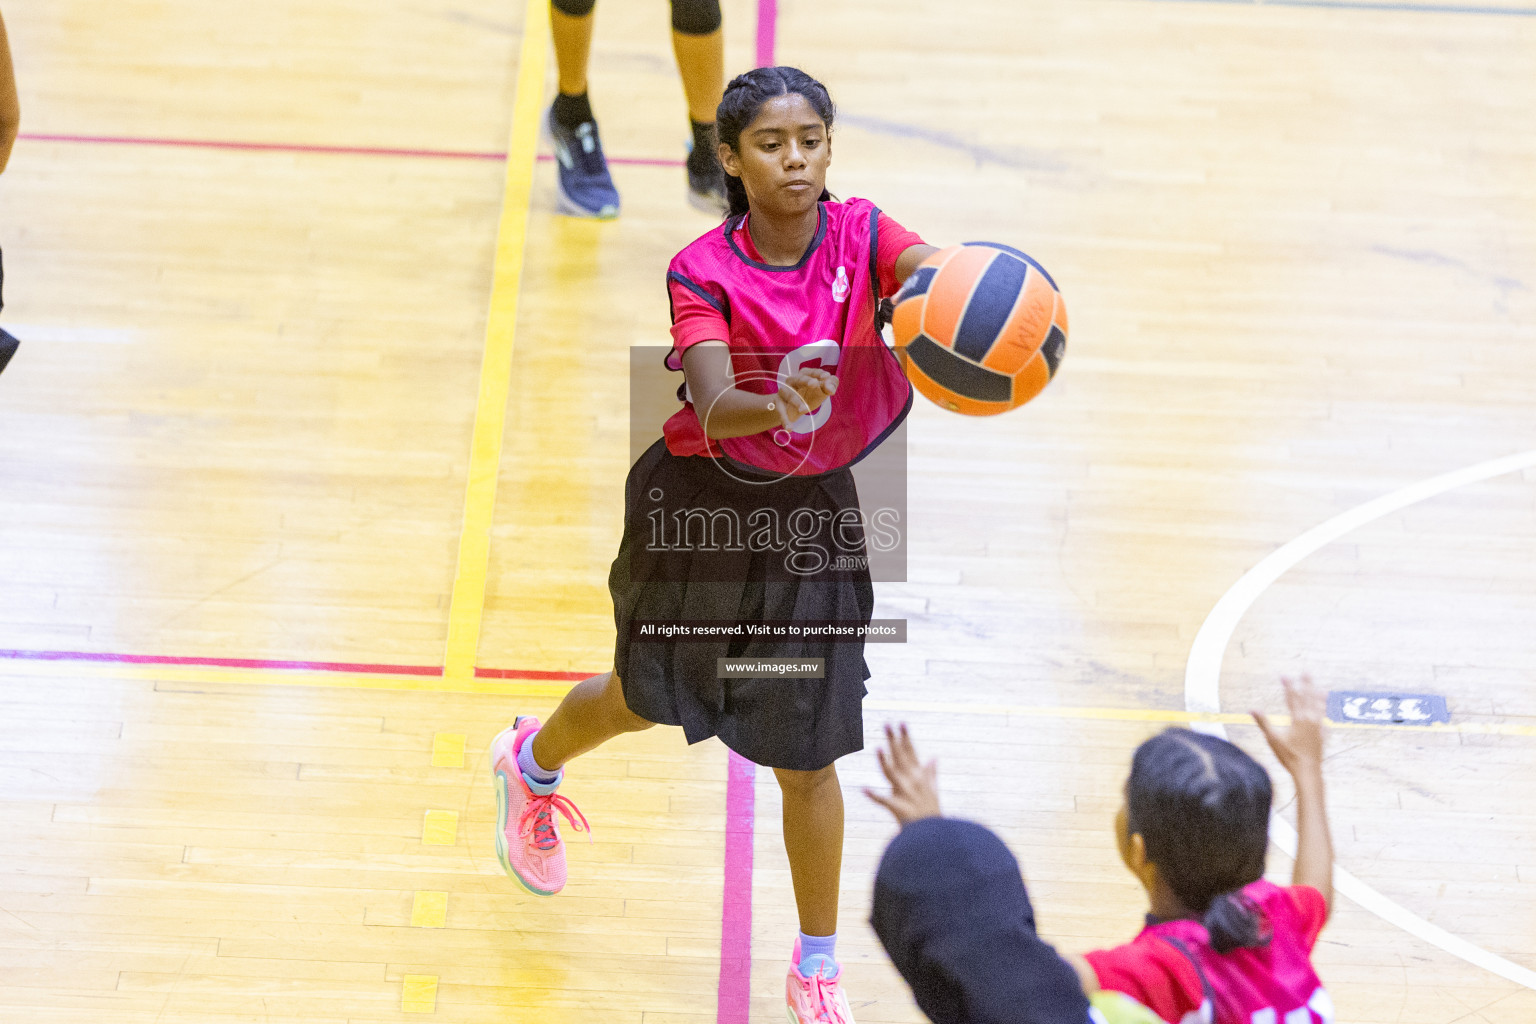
(591, 714)
(573, 45)
(698, 42)
(586, 188)
(813, 838)
(701, 63)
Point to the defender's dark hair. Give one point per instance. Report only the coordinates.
(1202, 807)
(745, 96)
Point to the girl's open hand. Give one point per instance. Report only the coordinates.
(802, 392)
(914, 785)
(1300, 746)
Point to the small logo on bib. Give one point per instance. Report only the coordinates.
(840, 286)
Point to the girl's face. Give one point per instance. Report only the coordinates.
(784, 156)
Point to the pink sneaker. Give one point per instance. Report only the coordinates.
(527, 841)
(816, 998)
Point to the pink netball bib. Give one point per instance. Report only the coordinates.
(1172, 969)
(819, 313)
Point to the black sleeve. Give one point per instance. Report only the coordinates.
(952, 911)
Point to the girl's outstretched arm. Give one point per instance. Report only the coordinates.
(1300, 750)
(910, 259)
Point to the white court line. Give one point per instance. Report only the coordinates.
(1202, 685)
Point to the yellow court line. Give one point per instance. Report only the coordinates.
(418, 993)
(440, 828)
(468, 605)
(429, 909)
(194, 675)
(448, 750)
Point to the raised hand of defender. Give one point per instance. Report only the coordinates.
(1301, 745)
(914, 785)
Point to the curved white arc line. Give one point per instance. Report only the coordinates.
(1203, 673)
(1202, 692)
(1283, 835)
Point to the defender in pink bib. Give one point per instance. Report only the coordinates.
(1223, 945)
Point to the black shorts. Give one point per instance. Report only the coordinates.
(799, 724)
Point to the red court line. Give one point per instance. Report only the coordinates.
(268, 147)
(295, 147)
(265, 663)
(355, 667)
(526, 673)
(733, 1000)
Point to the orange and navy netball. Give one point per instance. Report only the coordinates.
(983, 327)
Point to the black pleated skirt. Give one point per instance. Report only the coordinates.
(799, 724)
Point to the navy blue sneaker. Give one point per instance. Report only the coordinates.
(586, 188)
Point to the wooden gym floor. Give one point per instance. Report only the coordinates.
(257, 256)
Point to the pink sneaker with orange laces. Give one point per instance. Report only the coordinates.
(527, 841)
(818, 997)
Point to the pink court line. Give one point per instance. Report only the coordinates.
(733, 1000)
(294, 147)
(767, 29)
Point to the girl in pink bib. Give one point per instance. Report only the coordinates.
(744, 518)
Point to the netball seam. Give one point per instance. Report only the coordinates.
(1202, 685)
